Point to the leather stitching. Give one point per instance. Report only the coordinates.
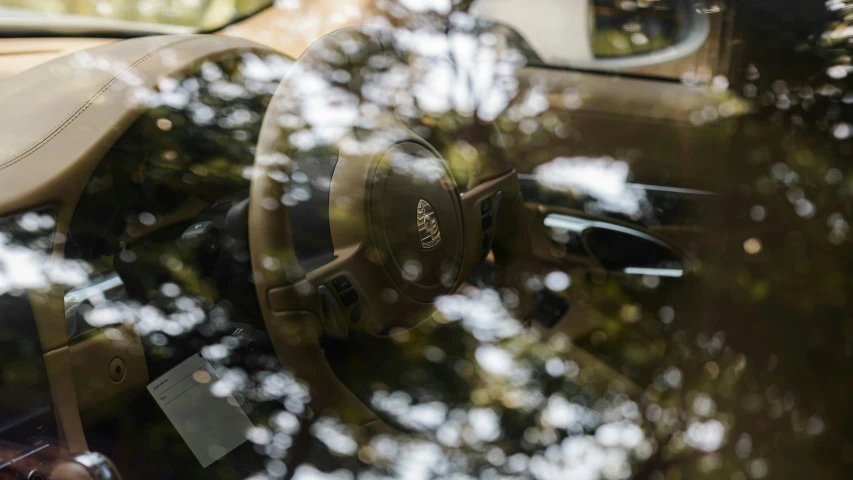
(82, 108)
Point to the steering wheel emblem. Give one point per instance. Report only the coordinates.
(428, 225)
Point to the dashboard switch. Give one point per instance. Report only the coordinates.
(355, 314)
(341, 283)
(349, 297)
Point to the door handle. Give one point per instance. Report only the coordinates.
(616, 247)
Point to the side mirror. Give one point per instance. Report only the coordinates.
(618, 248)
(601, 34)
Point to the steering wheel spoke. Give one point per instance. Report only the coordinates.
(334, 294)
(296, 338)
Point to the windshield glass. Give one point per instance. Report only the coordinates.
(198, 15)
(370, 262)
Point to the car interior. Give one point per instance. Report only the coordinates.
(305, 232)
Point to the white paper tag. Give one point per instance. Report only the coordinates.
(211, 426)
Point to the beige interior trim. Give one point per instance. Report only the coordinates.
(60, 376)
(654, 100)
(53, 133)
(19, 54)
(91, 359)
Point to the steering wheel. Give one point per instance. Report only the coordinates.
(357, 223)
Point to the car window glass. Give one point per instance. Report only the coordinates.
(685, 317)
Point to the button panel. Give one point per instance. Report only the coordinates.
(347, 297)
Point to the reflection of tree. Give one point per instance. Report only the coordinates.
(737, 371)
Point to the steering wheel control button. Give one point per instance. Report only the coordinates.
(349, 297)
(203, 236)
(331, 314)
(117, 370)
(355, 314)
(486, 205)
(341, 283)
(487, 222)
(416, 221)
